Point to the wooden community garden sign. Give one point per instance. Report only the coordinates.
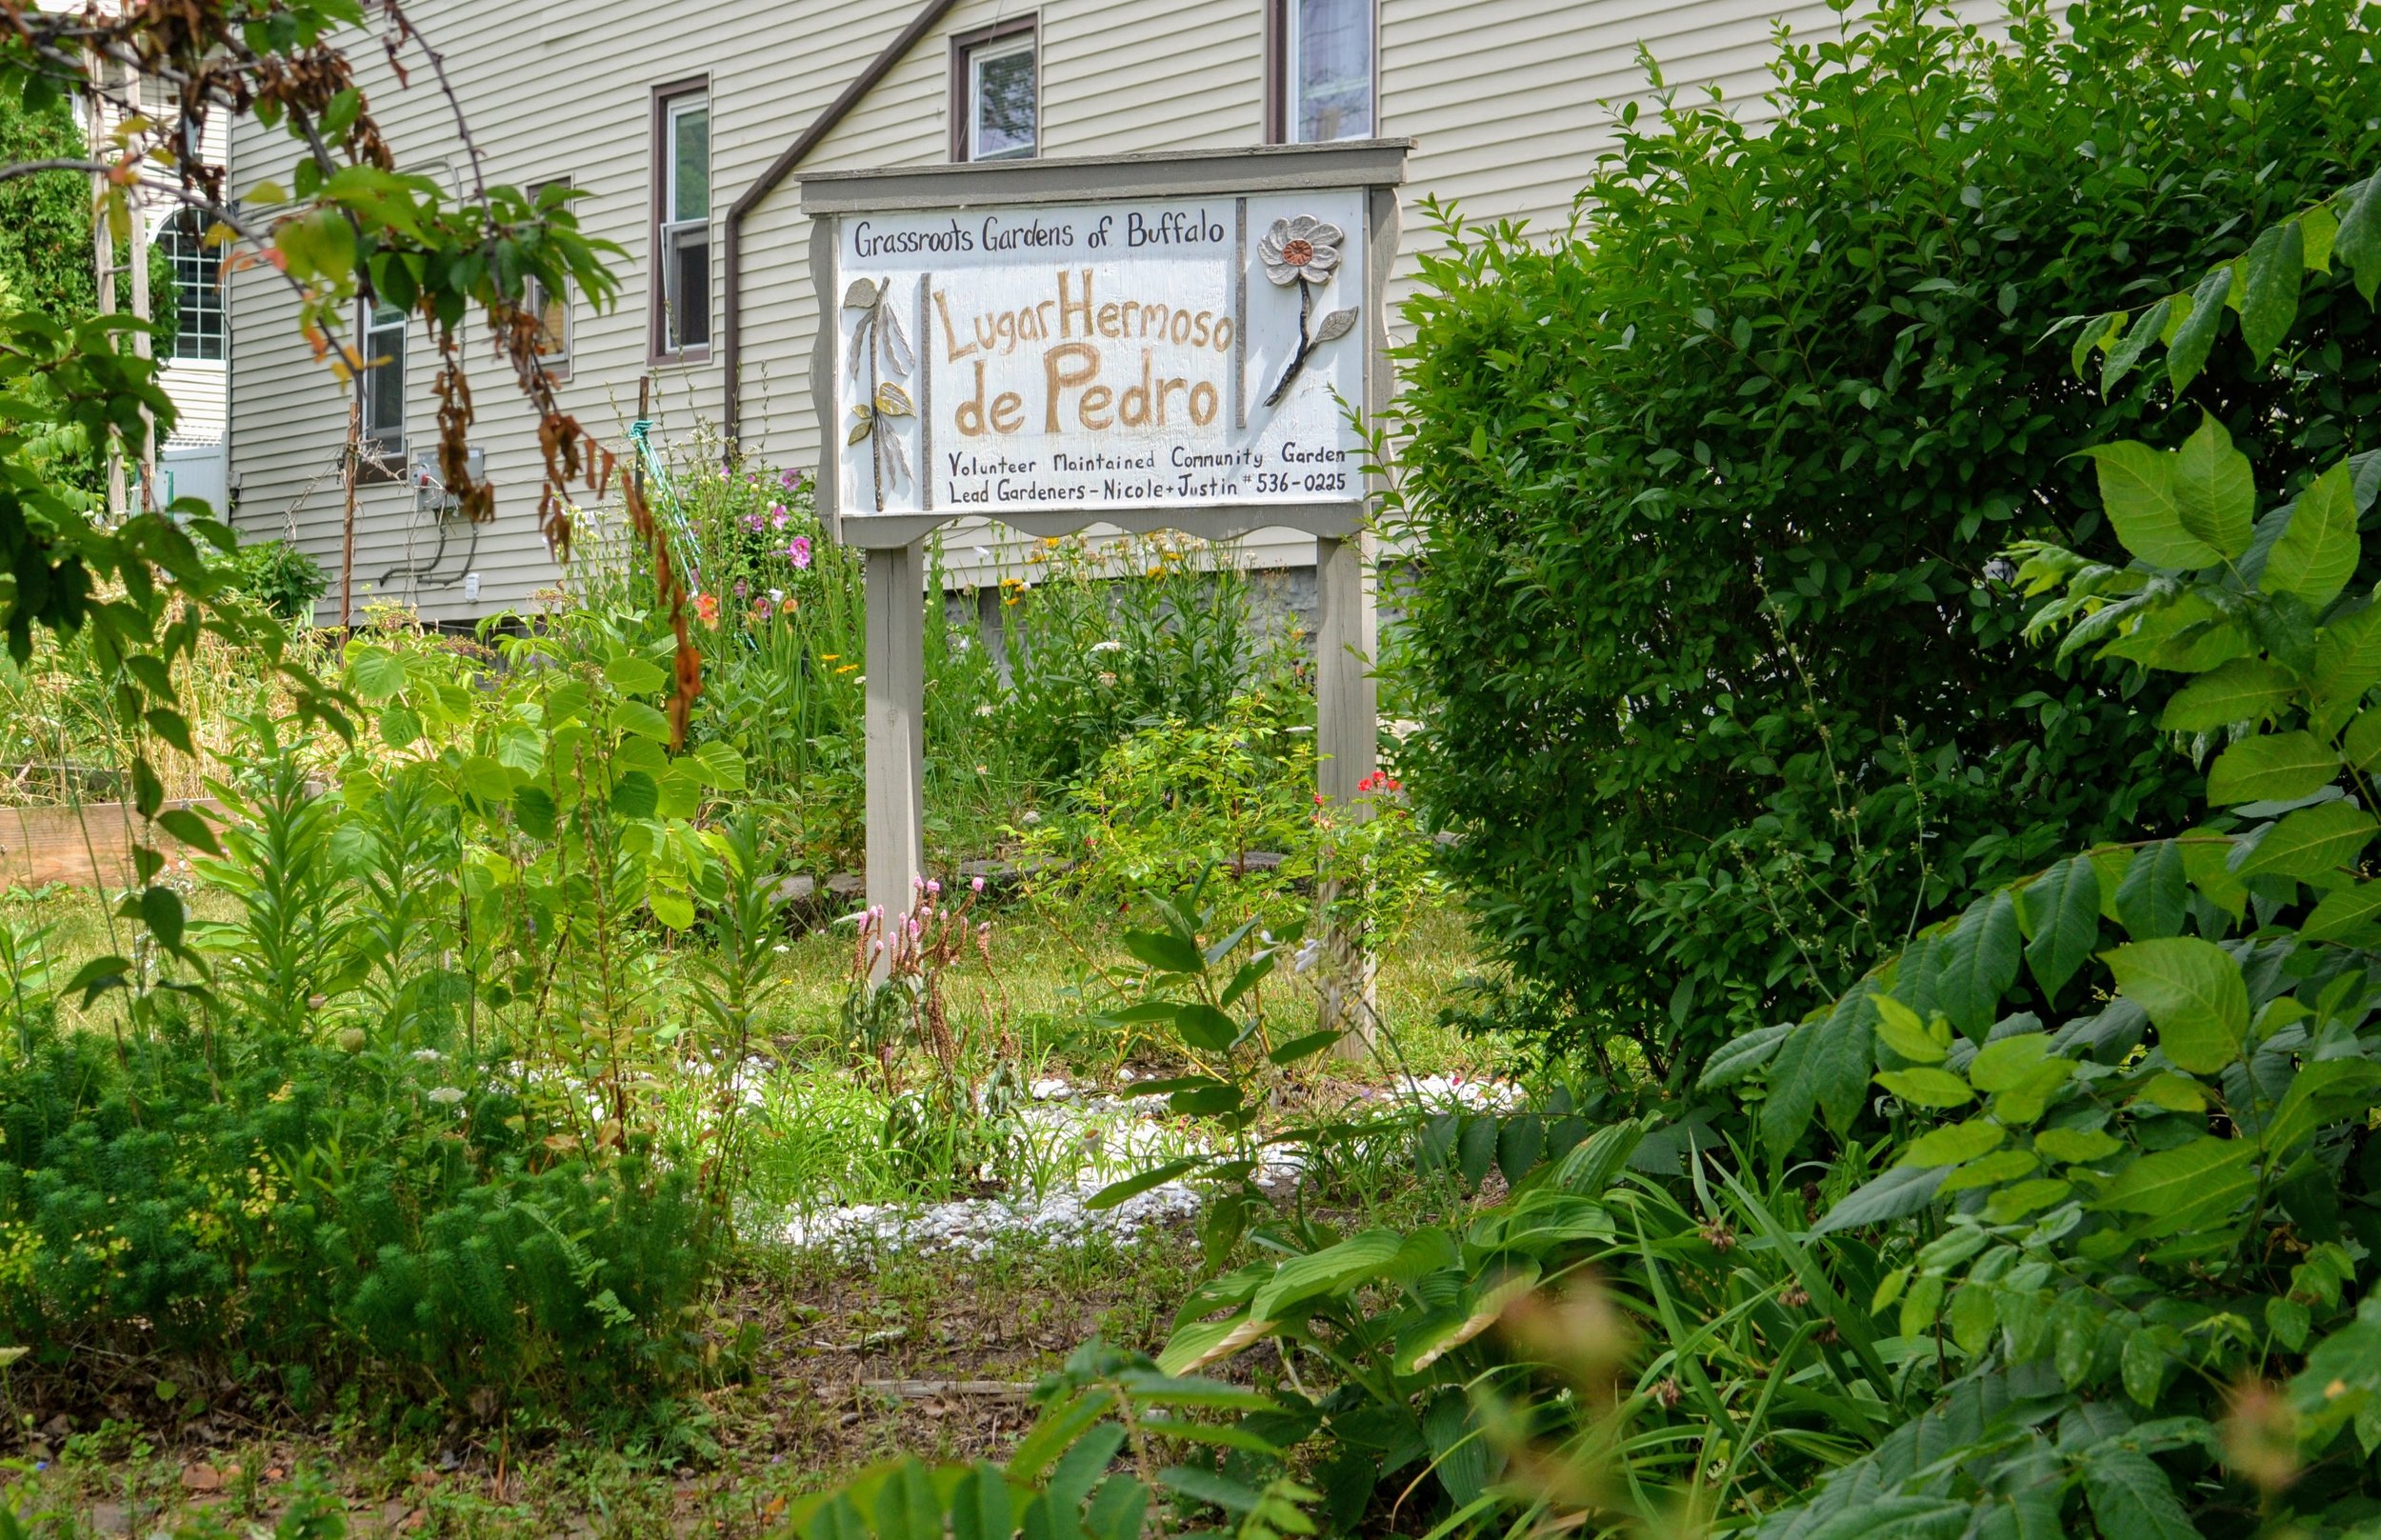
(1172, 341)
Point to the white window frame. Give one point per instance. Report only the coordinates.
(199, 291)
(1027, 43)
(373, 330)
(1293, 75)
(673, 234)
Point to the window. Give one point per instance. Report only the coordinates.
(1323, 79)
(200, 332)
(682, 229)
(381, 385)
(551, 311)
(995, 92)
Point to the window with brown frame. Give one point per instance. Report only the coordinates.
(380, 332)
(996, 92)
(1322, 72)
(551, 311)
(681, 326)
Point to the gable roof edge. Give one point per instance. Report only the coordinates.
(732, 331)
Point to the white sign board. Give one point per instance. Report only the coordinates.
(1126, 354)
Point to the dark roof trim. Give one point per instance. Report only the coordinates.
(732, 330)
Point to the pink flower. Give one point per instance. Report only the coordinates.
(789, 480)
(977, 885)
(799, 551)
(777, 516)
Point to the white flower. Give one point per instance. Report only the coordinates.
(427, 1056)
(1308, 952)
(781, 947)
(985, 709)
(1111, 645)
(1031, 817)
(1304, 249)
(446, 1095)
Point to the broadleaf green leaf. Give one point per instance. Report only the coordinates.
(2150, 902)
(2318, 554)
(1955, 1143)
(2313, 842)
(2276, 267)
(2342, 913)
(2207, 1171)
(2188, 353)
(2274, 767)
(2062, 908)
(1977, 963)
(1926, 1086)
(2245, 689)
(2215, 494)
(2194, 994)
(2137, 493)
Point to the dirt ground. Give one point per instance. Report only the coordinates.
(844, 1364)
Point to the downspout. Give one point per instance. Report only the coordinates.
(731, 339)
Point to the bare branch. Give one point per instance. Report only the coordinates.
(446, 88)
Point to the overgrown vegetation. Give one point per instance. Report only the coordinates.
(1953, 947)
(1728, 695)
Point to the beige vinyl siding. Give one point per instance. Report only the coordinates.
(1510, 99)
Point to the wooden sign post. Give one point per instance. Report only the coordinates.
(1170, 341)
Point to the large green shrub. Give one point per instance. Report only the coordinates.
(1728, 693)
(46, 253)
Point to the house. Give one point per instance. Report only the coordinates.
(686, 128)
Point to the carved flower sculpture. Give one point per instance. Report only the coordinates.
(1304, 250)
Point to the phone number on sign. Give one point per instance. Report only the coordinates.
(1314, 481)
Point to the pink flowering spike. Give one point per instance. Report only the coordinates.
(977, 885)
(917, 882)
(933, 886)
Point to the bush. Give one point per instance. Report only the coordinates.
(279, 1205)
(1728, 692)
(278, 575)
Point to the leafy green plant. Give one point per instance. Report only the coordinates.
(1108, 638)
(279, 576)
(950, 1076)
(2131, 1243)
(1726, 692)
(1206, 992)
(1176, 799)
